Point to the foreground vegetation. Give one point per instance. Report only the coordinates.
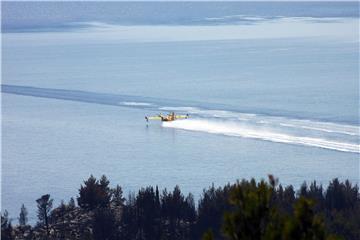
(244, 210)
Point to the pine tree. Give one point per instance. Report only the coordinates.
(44, 205)
(6, 227)
(23, 219)
(117, 196)
(71, 204)
(94, 193)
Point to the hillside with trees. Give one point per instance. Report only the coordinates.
(243, 210)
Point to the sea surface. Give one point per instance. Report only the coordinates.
(271, 88)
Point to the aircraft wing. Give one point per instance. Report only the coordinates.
(153, 118)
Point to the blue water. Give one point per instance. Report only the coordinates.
(20, 16)
(270, 88)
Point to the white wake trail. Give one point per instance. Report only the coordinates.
(239, 129)
(274, 121)
(135, 104)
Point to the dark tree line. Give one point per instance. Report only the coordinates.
(244, 210)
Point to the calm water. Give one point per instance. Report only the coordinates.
(270, 87)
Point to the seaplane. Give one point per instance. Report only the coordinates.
(167, 118)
